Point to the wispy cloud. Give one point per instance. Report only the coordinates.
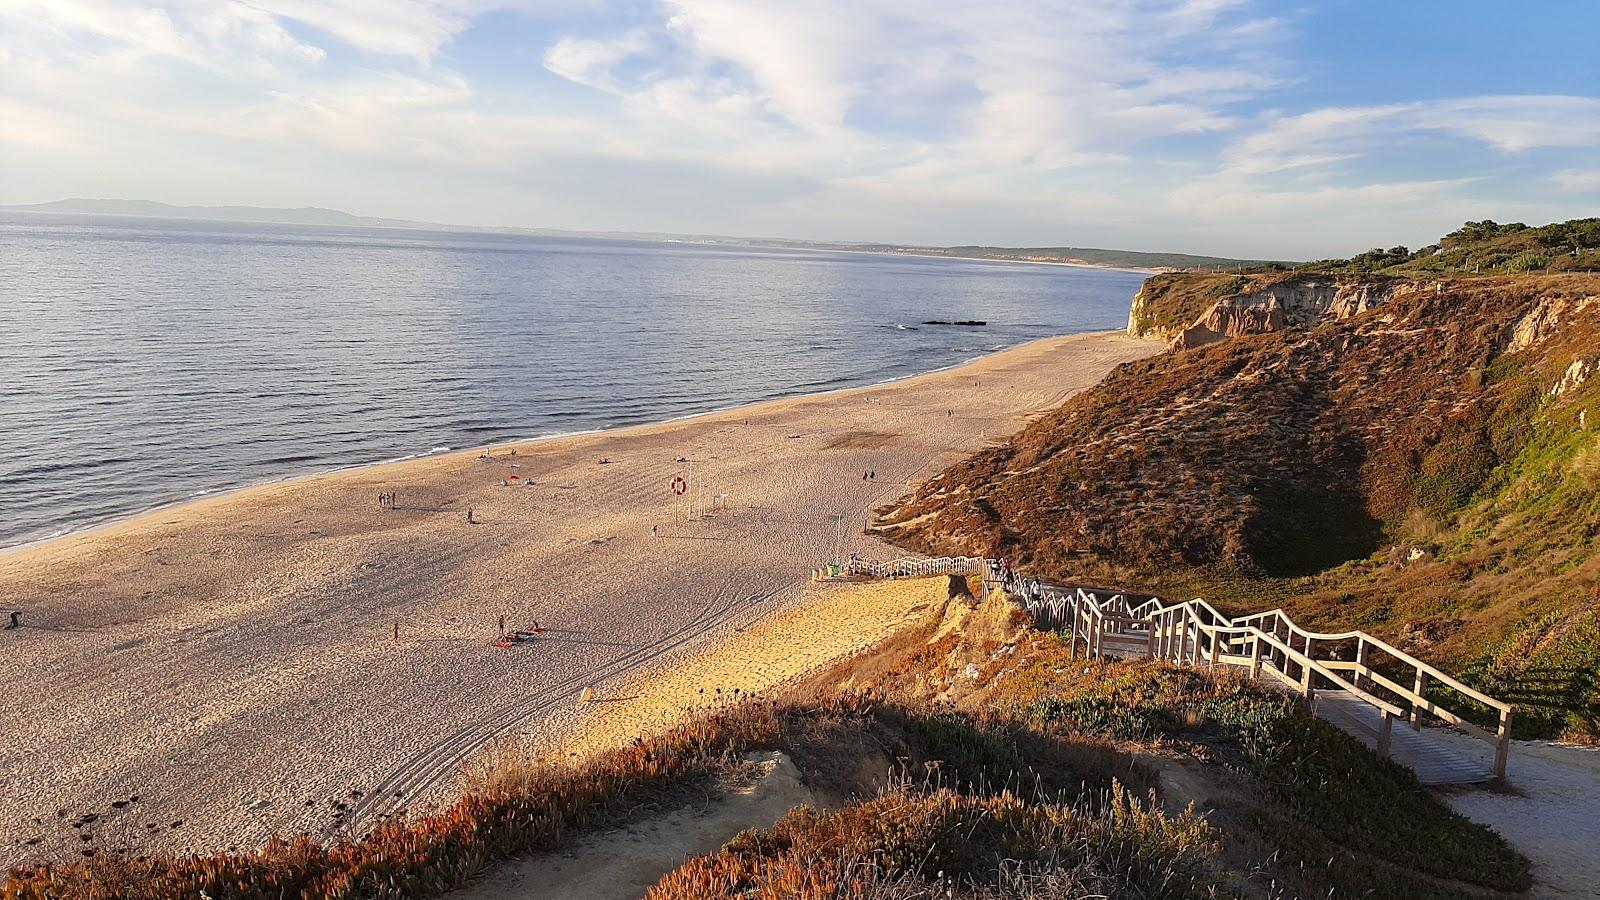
(1578, 180)
(946, 120)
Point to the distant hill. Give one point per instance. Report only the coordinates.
(314, 215)
(1091, 256)
(150, 209)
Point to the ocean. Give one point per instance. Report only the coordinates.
(148, 361)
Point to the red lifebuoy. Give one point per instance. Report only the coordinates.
(678, 485)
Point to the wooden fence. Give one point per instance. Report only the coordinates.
(1268, 644)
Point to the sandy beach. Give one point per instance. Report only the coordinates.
(208, 674)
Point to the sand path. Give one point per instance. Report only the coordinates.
(231, 664)
(1551, 811)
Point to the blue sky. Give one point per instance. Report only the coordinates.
(1217, 126)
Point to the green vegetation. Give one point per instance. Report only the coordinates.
(1485, 248)
(1319, 784)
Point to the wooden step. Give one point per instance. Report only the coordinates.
(1433, 762)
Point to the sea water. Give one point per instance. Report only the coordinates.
(147, 361)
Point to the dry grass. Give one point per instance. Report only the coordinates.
(526, 809)
(909, 843)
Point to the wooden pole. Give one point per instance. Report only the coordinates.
(1418, 687)
(1385, 732)
(1072, 634)
(1502, 745)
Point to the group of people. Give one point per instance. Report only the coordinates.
(386, 499)
(869, 475)
(1014, 583)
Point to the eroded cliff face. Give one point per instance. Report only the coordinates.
(1304, 302)
(1372, 398)
(1193, 309)
(1390, 452)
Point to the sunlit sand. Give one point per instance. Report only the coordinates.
(229, 668)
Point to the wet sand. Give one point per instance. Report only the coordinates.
(231, 663)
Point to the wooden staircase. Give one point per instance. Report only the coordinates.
(1352, 680)
(1432, 760)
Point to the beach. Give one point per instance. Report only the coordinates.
(301, 657)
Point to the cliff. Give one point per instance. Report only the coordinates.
(1191, 312)
(1419, 458)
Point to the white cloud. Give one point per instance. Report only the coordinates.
(827, 118)
(1508, 124)
(1577, 180)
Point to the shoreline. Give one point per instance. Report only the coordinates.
(296, 656)
(230, 491)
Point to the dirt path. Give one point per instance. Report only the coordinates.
(1551, 813)
(209, 674)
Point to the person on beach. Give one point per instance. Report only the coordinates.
(470, 519)
(655, 530)
(16, 620)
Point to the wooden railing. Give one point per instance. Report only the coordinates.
(904, 567)
(1375, 671)
(1099, 623)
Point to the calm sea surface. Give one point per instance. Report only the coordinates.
(146, 361)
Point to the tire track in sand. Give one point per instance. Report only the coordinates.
(435, 763)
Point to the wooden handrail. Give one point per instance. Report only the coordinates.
(1194, 631)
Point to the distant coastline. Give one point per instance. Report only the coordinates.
(1141, 261)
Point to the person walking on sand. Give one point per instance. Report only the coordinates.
(470, 519)
(655, 530)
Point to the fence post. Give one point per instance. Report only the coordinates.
(1361, 663)
(1216, 647)
(1255, 656)
(1418, 687)
(1385, 731)
(1150, 639)
(1072, 632)
(1502, 745)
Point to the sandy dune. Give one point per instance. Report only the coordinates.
(229, 666)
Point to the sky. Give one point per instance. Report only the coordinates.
(1230, 127)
